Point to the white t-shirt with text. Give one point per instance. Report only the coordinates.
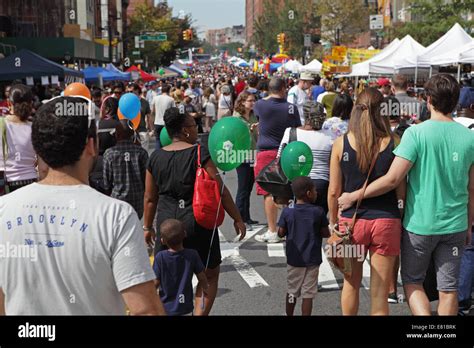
(80, 248)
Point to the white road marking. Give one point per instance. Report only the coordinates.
(247, 272)
(275, 250)
(326, 277)
(366, 273)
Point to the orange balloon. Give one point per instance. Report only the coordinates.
(77, 88)
(135, 121)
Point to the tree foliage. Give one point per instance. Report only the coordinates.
(433, 18)
(350, 16)
(294, 18)
(159, 19)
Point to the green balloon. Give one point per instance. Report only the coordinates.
(185, 75)
(229, 143)
(165, 139)
(161, 71)
(296, 160)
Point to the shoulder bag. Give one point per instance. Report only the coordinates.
(273, 180)
(4, 188)
(343, 239)
(207, 205)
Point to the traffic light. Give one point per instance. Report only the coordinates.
(281, 39)
(188, 35)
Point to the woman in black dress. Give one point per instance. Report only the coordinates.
(169, 187)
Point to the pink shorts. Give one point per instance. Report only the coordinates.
(381, 236)
(263, 159)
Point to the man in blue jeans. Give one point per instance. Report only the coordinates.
(466, 279)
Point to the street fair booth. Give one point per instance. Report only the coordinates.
(314, 66)
(462, 55)
(93, 74)
(363, 69)
(123, 76)
(407, 47)
(452, 40)
(293, 66)
(142, 74)
(25, 64)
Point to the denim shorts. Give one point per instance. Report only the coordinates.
(446, 251)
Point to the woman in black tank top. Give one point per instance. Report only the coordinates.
(378, 226)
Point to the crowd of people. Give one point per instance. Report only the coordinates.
(96, 186)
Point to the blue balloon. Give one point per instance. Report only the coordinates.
(129, 105)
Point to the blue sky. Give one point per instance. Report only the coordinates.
(211, 14)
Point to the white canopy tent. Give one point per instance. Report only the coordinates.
(363, 69)
(293, 65)
(454, 38)
(314, 66)
(463, 54)
(407, 47)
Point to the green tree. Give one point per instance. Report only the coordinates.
(431, 19)
(344, 17)
(294, 19)
(159, 19)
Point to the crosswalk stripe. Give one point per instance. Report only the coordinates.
(275, 250)
(326, 277)
(366, 273)
(247, 272)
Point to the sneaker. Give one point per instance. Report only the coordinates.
(268, 237)
(392, 297)
(248, 226)
(252, 222)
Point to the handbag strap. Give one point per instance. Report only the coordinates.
(3, 131)
(199, 156)
(361, 197)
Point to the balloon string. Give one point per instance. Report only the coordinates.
(214, 231)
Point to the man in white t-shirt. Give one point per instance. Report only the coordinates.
(66, 249)
(159, 105)
(298, 95)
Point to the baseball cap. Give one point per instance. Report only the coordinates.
(189, 93)
(382, 82)
(306, 76)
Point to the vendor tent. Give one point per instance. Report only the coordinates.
(124, 76)
(91, 74)
(143, 75)
(176, 69)
(407, 47)
(25, 63)
(314, 66)
(453, 39)
(293, 65)
(463, 54)
(363, 68)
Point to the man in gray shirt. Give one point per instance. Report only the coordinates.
(410, 108)
(76, 251)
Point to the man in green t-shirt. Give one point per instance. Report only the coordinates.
(438, 157)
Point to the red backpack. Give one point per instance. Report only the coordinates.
(207, 203)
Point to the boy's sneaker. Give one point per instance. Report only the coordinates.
(392, 297)
(268, 237)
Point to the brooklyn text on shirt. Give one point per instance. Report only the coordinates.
(18, 251)
(51, 219)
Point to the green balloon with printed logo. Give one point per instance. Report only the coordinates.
(229, 143)
(165, 139)
(296, 160)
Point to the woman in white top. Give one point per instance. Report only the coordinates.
(320, 144)
(209, 105)
(225, 102)
(338, 124)
(19, 162)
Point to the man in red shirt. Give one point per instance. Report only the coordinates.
(5, 104)
(239, 86)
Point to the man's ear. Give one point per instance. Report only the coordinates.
(92, 147)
